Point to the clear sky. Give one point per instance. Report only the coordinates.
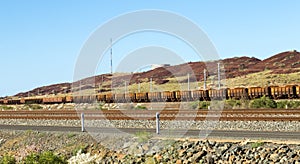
(41, 40)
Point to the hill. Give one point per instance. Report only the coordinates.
(245, 69)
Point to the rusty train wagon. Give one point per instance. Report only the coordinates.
(53, 100)
(142, 97)
(101, 97)
(109, 98)
(257, 92)
(130, 97)
(237, 93)
(218, 94)
(201, 95)
(31, 100)
(298, 91)
(168, 96)
(281, 92)
(69, 99)
(84, 98)
(154, 96)
(183, 95)
(119, 98)
(13, 101)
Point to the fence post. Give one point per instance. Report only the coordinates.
(82, 122)
(157, 123)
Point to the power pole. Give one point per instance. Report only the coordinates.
(219, 77)
(125, 84)
(188, 75)
(151, 84)
(111, 51)
(204, 72)
(139, 87)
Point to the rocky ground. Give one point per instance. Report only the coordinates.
(144, 148)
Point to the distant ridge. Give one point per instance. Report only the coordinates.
(281, 63)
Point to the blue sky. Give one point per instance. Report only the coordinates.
(41, 40)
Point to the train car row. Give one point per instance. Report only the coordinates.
(274, 92)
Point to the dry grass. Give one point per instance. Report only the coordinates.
(264, 78)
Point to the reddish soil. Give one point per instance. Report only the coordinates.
(282, 63)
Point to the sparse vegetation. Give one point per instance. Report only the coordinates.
(140, 107)
(288, 104)
(204, 104)
(82, 148)
(5, 107)
(33, 106)
(7, 159)
(44, 158)
(143, 136)
(263, 102)
(199, 104)
(194, 105)
(256, 144)
(71, 135)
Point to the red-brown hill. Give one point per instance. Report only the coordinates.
(285, 62)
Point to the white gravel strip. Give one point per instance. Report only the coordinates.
(218, 125)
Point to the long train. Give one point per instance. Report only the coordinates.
(274, 92)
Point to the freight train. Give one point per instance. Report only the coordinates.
(274, 92)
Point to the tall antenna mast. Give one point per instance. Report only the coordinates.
(111, 69)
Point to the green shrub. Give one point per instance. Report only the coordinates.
(256, 144)
(31, 159)
(232, 103)
(263, 102)
(7, 159)
(5, 107)
(295, 104)
(282, 104)
(204, 104)
(288, 104)
(140, 107)
(44, 158)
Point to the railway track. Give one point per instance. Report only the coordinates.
(197, 115)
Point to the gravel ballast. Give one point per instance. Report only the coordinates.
(288, 126)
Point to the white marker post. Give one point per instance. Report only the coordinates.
(82, 122)
(157, 123)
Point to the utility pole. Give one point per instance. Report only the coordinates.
(188, 75)
(204, 72)
(111, 62)
(219, 77)
(151, 84)
(139, 87)
(125, 84)
(80, 85)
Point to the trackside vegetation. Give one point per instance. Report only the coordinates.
(263, 102)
